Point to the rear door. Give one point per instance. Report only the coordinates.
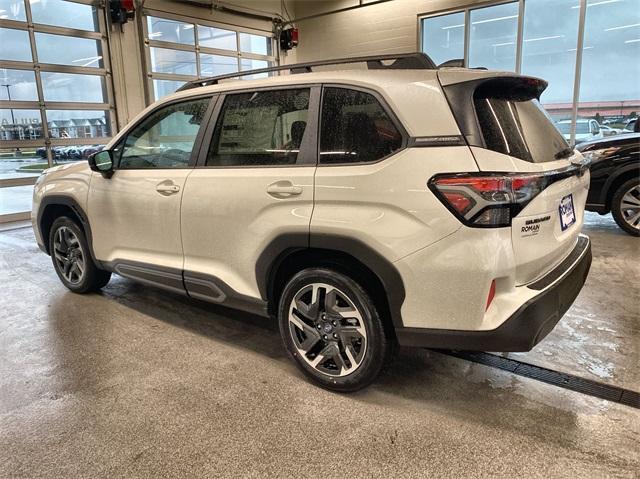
(253, 183)
(509, 132)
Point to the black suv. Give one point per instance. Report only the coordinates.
(615, 179)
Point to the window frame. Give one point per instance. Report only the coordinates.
(442, 13)
(387, 109)
(517, 67)
(308, 148)
(467, 25)
(197, 144)
(237, 54)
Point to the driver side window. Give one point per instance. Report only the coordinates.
(165, 138)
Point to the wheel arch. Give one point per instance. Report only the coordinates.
(55, 206)
(289, 254)
(623, 175)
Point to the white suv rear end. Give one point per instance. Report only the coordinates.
(400, 204)
(519, 261)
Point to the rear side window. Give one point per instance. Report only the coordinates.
(355, 128)
(260, 128)
(519, 128)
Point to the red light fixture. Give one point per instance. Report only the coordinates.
(288, 39)
(121, 11)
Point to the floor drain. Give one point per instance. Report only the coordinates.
(549, 376)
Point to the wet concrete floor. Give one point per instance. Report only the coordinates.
(137, 382)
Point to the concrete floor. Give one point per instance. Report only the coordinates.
(137, 382)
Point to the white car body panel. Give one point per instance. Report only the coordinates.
(149, 232)
(224, 238)
(382, 206)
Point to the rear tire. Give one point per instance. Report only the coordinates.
(332, 330)
(625, 206)
(71, 258)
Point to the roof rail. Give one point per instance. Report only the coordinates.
(401, 61)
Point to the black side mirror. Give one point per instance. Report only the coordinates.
(102, 162)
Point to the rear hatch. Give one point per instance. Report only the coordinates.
(524, 162)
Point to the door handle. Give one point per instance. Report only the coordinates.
(283, 189)
(167, 188)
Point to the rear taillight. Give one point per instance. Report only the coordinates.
(488, 200)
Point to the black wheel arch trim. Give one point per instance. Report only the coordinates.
(69, 201)
(283, 246)
(272, 257)
(606, 194)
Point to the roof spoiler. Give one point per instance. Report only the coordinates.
(462, 90)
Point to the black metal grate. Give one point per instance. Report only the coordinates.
(549, 376)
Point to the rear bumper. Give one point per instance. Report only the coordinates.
(529, 324)
(596, 207)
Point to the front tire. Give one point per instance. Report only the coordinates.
(71, 258)
(332, 330)
(625, 206)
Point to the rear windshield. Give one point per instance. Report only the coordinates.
(519, 128)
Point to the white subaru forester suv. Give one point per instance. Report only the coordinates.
(399, 204)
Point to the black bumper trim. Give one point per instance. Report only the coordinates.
(561, 269)
(526, 327)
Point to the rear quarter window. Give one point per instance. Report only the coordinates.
(355, 128)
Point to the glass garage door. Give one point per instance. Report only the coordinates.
(178, 49)
(55, 92)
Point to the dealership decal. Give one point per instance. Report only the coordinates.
(532, 227)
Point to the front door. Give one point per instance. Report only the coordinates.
(135, 214)
(253, 183)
